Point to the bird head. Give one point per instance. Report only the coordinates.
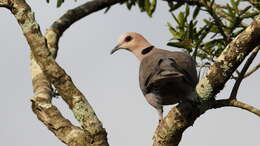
(133, 42)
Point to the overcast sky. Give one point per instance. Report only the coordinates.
(110, 83)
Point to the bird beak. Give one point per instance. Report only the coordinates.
(115, 49)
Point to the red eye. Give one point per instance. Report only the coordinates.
(128, 38)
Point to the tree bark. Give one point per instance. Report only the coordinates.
(92, 131)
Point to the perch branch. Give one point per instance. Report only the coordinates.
(169, 131)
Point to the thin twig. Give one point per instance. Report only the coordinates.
(219, 23)
(248, 73)
(189, 2)
(252, 70)
(254, 2)
(237, 72)
(233, 94)
(235, 103)
(206, 64)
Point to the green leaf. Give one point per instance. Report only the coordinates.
(203, 32)
(250, 15)
(245, 10)
(141, 5)
(210, 45)
(207, 21)
(181, 19)
(183, 44)
(176, 35)
(59, 3)
(175, 7)
(230, 11)
(203, 56)
(187, 11)
(233, 3)
(130, 4)
(147, 6)
(192, 33)
(196, 12)
(153, 6)
(215, 29)
(175, 18)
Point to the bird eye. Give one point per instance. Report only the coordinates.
(128, 38)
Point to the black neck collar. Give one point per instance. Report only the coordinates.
(147, 50)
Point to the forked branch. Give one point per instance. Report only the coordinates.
(241, 75)
(92, 132)
(169, 131)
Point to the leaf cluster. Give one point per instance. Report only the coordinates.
(204, 28)
(59, 2)
(147, 6)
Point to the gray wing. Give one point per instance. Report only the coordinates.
(165, 65)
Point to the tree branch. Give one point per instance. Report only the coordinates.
(5, 4)
(48, 113)
(235, 103)
(233, 94)
(94, 133)
(228, 61)
(189, 2)
(252, 70)
(55, 31)
(254, 2)
(171, 128)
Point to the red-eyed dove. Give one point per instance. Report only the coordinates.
(165, 77)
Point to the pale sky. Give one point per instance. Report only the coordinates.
(110, 83)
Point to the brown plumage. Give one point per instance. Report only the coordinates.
(165, 77)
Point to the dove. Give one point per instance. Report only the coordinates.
(165, 77)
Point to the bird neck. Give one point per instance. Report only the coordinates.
(142, 53)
